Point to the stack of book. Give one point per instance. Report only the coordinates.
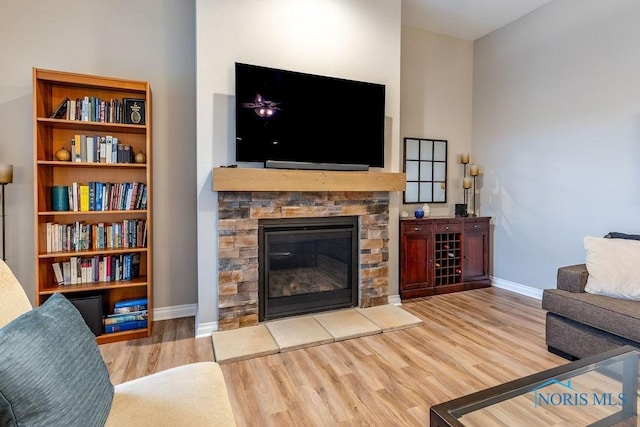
(127, 315)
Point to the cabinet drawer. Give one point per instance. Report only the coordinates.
(447, 227)
(476, 225)
(416, 228)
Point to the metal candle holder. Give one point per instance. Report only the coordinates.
(6, 177)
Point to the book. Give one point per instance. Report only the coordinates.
(125, 326)
(128, 309)
(112, 319)
(108, 148)
(71, 110)
(78, 146)
(130, 302)
(90, 149)
(83, 149)
(92, 195)
(135, 265)
(57, 271)
(99, 196)
(103, 149)
(61, 109)
(114, 150)
(84, 197)
(66, 272)
(127, 156)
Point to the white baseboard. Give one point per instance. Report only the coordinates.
(517, 288)
(186, 310)
(498, 283)
(175, 312)
(395, 300)
(205, 329)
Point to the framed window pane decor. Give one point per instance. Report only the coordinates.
(425, 164)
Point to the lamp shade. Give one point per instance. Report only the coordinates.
(6, 174)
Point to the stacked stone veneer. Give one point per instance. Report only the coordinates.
(238, 216)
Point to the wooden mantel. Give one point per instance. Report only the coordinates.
(252, 179)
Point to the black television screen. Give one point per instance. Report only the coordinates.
(288, 116)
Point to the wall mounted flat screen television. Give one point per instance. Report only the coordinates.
(295, 120)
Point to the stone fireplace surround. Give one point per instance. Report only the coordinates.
(238, 216)
(246, 195)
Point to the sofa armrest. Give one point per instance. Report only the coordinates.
(572, 278)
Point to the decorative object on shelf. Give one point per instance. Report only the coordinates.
(474, 171)
(461, 209)
(134, 111)
(63, 155)
(60, 198)
(427, 210)
(6, 177)
(140, 157)
(418, 213)
(404, 214)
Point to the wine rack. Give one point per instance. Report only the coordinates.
(447, 259)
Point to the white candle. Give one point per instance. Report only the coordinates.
(464, 158)
(6, 174)
(466, 182)
(473, 170)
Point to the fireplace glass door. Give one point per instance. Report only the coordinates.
(307, 265)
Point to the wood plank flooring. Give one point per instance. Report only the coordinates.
(469, 341)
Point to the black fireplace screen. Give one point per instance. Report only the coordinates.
(307, 265)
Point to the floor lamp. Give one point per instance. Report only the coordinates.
(6, 177)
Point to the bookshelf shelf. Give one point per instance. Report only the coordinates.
(59, 164)
(86, 253)
(91, 126)
(118, 273)
(139, 282)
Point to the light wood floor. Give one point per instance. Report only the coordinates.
(469, 341)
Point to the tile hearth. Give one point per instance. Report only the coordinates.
(305, 331)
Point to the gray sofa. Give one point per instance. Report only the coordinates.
(580, 324)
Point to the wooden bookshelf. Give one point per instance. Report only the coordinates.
(50, 135)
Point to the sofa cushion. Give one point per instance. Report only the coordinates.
(189, 395)
(614, 315)
(51, 370)
(614, 267)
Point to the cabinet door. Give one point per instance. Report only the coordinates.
(476, 251)
(416, 269)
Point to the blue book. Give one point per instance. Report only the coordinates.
(98, 191)
(125, 326)
(92, 195)
(130, 302)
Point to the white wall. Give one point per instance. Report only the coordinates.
(556, 128)
(141, 40)
(436, 101)
(354, 39)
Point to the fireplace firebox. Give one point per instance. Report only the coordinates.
(307, 265)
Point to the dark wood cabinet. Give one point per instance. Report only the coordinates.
(441, 255)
